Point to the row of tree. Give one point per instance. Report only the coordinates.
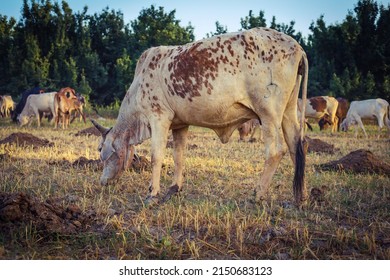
(55, 47)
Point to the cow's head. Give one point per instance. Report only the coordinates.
(23, 119)
(346, 124)
(325, 121)
(244, 130)
(115, 153)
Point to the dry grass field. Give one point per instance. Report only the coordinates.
(52, 206)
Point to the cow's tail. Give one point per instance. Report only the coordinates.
(301, 150)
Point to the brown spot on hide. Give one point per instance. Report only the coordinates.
(193, 67)
(318, 103)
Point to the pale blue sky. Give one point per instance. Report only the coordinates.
(204, 13)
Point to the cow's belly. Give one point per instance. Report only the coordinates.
(213, 117)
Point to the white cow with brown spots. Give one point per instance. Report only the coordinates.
(218, 83)
(320, 107)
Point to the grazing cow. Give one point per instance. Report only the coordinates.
(7, 105)
(249, 128)
(369, 109)
(218, 83)
(19, 107)
(65, 102)
(320, 107)
(341, 113)
(36, 105)
(79, 109)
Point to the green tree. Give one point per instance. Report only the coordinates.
(35, 68)
(123, 75)
(219, 29)
(155, 27)
(252, 21)
(6, 43)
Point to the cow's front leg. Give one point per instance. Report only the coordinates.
(179, 146)
(274, 152)
(158, 146)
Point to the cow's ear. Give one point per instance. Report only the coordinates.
(67, 94)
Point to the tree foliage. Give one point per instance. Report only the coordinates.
(53, 46)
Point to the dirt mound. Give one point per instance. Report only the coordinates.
(319, 146)
(84, 162)
(26, 139)
(359, 161)
(88, 132)
(140, 163)
(49, 216)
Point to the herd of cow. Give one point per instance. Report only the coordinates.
(56, 106)
(218, 83)
(337, 113)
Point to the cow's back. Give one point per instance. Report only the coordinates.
(367, 109)
(42, 102)
(218, 81)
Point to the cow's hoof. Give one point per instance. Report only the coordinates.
(174, 190)
(259, 197)
(151, 201)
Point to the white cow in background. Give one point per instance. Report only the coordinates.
(36, 104)
(369, 109)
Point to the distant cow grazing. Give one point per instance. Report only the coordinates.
(19, 107)
(320, 107)
(248, 129)
(369, 109)
(36, 105)
(218, 83)
(341, 114)
(7, 105)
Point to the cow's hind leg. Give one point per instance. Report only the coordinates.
(274, 151)
(179, 145)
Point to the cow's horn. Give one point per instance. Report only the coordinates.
(103, 130)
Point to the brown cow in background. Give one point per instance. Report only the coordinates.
(320, 107)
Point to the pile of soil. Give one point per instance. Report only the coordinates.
(97, 164)
(49, 216)
(26, 139)
(140, 163)
(88, 132)
(359, 161)
(319, 146)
